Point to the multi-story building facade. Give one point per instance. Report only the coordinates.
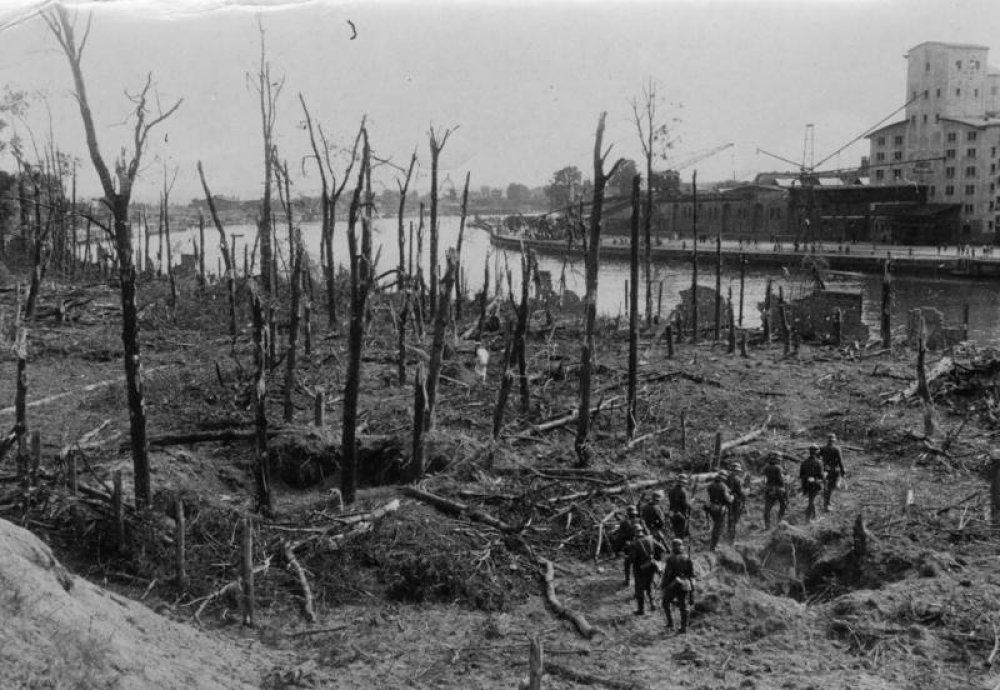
(950, 137)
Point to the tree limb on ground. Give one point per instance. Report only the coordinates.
(451, 507)
(579, 622)
(582, 678)
(942, 366)
(308, 610)
(86, 389)
(745, 438)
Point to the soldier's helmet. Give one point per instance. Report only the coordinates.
(722, 475)
(640, 529)
(631, 511)
(831, 437)
(735, 466)
(676, 545)
(772, 457)
(659, 495)
(681, 479)
(813, 449)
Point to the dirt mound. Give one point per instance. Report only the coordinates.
(63, 632)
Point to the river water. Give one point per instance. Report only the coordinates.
(948, 295)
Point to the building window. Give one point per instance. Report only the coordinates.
(970, 171)
(958, 64)
(993, 167)
(927, 94)
(949, 190)
(925, 118)
(879, 174)
(937, 117)
(927, 66)
(949, 172)
(970, 153)
(970, 189)
(949, 153)
(897, 174)
(958, 92)
(970, 208)
(880, 156)
(970, 136)
(975, 93)
(975, 64)
(952, 136)
(993, 152)
(938, 93)
(897, 140)
(880, 141)
(933, 189)
(897, 155)
(913, 119)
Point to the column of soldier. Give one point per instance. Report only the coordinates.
(642, 534)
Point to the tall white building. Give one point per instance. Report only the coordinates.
(950, 138)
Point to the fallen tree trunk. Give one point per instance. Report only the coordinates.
(579, 622)
(613, 490)
(581, 678)
(744, 439)
(308, 610)
(451, 507)
(942, 366)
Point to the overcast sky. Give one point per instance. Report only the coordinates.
(523, 81)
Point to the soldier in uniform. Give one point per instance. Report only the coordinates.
(833, 466)
(652, 516)
(735, 485)
(679, 508)
(775, 490)
(811, 479)
(719, 502)
(678, 583)
(644, 554)
(624, 535)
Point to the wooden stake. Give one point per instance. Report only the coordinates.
(838, 328)
(319, 411)
(732, 324)
(886, 322)
(718, 287)
(116, 503)
(247, 567)
(670, 341)
(659, 302)
(179, 544)
(743, 344)
(786, 329)
(743, 275)
(965, 322)
(633, 317)
(767, 313)
(536, 664)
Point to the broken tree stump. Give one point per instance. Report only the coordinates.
(247, 570)
(860, 538)
(179, 543)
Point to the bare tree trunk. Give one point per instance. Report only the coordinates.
(633, 316)
(443, 307)
(459, 288)
(401, 337)
(886, 307)
(437, 143)
(506, 382)
(694, 258)
(21, 399)
(403, 276)
(528, 266)
(268, 91)
(420, 287)
(718, 287)
(419, 415)
(228, 255)
(262, 464)
(743, 275)
(293, 332)
(361, 278)
(201, 248)
(582, 442)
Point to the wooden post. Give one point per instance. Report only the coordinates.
(995, 489)
(717, 453)
(71, 477)
(743, 275)
(201, 247)
(965, 322)
(536, 664)
(179, 544)
(659, 302)
(247, 569)
(670, 341)
(684, 430)
(116, 503)
(886, 307)
(732, 331)
(319, 411)
(718, 286)
(743, 344)
(694, 258)
(419, 413)
(36, 456)
(786, 329)
(838, 328)
(633, 317)
(860, 538)
(767, 313)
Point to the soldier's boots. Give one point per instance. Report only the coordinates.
(684, 622)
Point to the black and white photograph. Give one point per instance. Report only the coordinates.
(496, 344)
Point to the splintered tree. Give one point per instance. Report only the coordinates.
(268, 91)
(362, 277)
(117, 198)
(582, 443)
(228, 256)
(437, 143)
(330, 193)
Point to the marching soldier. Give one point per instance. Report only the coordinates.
(833, 465)
(719, 502)
(735, 485)
(679, 508)
(678, 584)
(644, 554)
(624, 535)
(652, 516)
(811, 478)
(775, 490)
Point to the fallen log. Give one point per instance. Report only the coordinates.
(308, 610)
(610, 491)
(579, 622)
(745, 438)
(572, 417)
(451, 507)
(229, 435)
(581, 678)
(86, 389)
(942, 366)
